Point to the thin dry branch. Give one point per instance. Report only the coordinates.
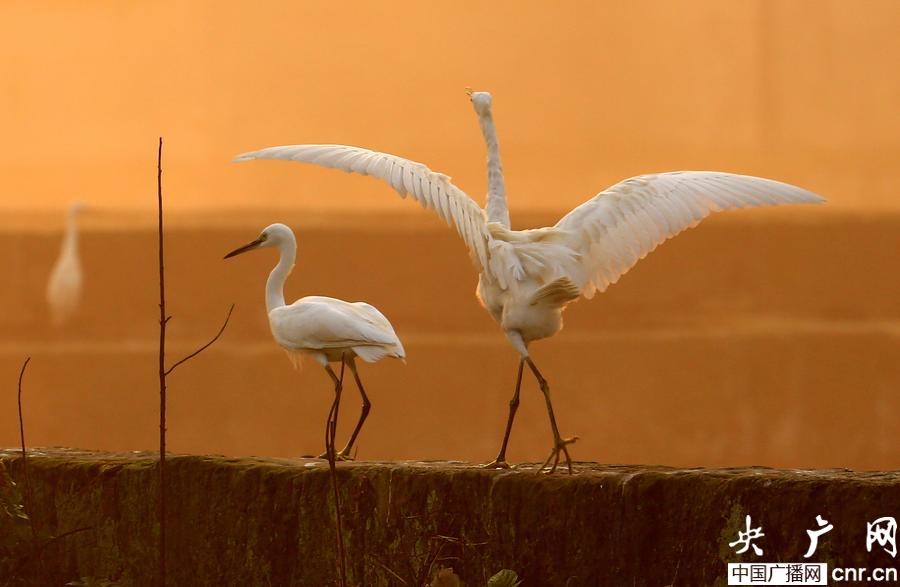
(163, 372)
(38, 551)
(27, 492)
(207, 345)
(163, 319)
(330, 432)
(433, 555)
(387, 569)
(66, 534)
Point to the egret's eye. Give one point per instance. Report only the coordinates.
(263, 236)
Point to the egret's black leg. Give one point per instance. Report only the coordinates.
(500, 461)
(331, 422)
(560, 444)
(366, 406)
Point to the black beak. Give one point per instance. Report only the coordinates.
(245, 248)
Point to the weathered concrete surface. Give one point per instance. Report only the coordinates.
(257, 521)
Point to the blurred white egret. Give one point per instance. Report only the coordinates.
(327, 329)
(527, 277)
(64, 285)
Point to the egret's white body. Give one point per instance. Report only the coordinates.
(527, 277)
(327, 329)
(66, 279)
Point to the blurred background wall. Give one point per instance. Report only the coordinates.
(766, 337)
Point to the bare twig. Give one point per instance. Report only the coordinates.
(388, 569)
(37, 551)
(207, 345)
(433, 555)
(64, 534)
(27, 492)
(163, 372)
(330, 432)
(435, 552)
(163, 319)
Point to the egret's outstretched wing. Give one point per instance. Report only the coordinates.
(619, 226)
(432, 190)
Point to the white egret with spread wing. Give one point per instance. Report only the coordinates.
(327, 329)
(527, 277)
(66, 278)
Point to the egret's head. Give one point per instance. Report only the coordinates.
(481, 101)
(271, 236)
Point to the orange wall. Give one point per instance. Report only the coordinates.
(586, 93)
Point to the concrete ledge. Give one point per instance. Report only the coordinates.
(259, 521)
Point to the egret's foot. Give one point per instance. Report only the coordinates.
(341, 456)
(497, 464)
(561, 446)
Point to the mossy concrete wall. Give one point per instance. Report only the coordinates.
(256, 521)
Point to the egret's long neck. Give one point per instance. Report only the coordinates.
(275, 283)
(70, 240)
(497, 209)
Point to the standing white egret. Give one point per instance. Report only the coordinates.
(327, 329)
(527, 277)
(64, 285)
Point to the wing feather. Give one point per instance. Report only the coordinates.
(624, 223)
(432, 190)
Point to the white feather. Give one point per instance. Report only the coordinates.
(624, 223)
(432, 190)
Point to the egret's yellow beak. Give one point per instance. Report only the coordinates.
(245, 248)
